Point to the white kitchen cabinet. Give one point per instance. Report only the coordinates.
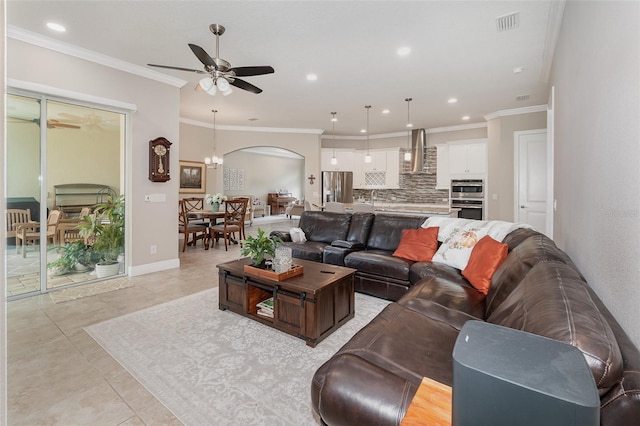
(344, 157)
(443, 181)
(468, 159)
(382, 173)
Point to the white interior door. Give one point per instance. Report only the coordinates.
(531, 178)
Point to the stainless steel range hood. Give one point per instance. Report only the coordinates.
(418, 150)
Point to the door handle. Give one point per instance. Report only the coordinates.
(523, 206)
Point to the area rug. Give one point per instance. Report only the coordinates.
(86, 290)
(212, 367)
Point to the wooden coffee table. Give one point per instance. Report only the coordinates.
(309, 306)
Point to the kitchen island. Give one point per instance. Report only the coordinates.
(414, 209)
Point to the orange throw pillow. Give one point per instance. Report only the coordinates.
(485, 258)
(418, 244)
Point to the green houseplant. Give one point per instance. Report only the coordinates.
(75, 256)
(106, 228)
(259, 246)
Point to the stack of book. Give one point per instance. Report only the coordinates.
(265, 308)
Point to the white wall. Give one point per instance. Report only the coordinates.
(158, 109)
(198, 142)
(596, 75)
(500, 153)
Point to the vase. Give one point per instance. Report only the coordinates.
(215, 207)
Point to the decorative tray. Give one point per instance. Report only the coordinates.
(272, 275)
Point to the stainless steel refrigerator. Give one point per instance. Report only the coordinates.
(337, 186)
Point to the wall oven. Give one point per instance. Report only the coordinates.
(468, 196)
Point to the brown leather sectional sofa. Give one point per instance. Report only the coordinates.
(537, 289)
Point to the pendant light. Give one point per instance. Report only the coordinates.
(334, 160)
(367, 158)
(407, 154)
(215, 161)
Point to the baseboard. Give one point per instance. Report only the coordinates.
(154, 267)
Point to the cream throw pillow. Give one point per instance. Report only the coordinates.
(463, 234)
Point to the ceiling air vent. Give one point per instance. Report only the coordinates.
(508, 22)
(522, 98)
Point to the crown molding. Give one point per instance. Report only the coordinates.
(515, 111)
(456, 128)
(68, 94)
(250, 129)
(36, 39)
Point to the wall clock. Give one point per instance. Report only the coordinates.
(159, 150)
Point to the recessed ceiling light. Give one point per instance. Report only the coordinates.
(404, 51)
(452, 100)
(385, 111)
(363, 130)
(56, 27)
(312, 77)
(518, 70)
(466, 117)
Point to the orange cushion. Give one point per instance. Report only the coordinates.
(418, 244)
(485, 258)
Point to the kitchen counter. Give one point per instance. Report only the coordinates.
(416, 209)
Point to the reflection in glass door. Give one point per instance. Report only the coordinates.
(84, 155)
(23, 194)
(80, 155)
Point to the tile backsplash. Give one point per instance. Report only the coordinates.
(414, 188)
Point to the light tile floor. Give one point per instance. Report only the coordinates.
(58, 375)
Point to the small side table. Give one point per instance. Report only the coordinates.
(431, 405)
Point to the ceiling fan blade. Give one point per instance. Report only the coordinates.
(53, 124)
(249, 71)
(203, 56)
(178, 68)
(245, 86)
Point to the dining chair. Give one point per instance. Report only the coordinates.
(30, 232)
(235, 211)
(192, 204)
(199, 231)
(332, 206)
(246, 217)
(362, 207)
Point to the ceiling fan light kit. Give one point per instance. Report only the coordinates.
(221, 75)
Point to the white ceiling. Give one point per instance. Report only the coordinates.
(456, 51)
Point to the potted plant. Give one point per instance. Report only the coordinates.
(76, 256)
(214, 201)
(259, 246)
(106, 228)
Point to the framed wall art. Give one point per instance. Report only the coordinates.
(192, 177)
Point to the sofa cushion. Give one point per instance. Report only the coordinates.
(418, 244)
(386, 231)
(360, 227)
(553, 301)
(379, 262)
(420, 270)
(535, 249)
(457, 296)
(485, 258)
(308, 250)
(324, 227)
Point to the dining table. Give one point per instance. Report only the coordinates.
(212, 216)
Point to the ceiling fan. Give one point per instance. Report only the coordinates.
(221, 74)
(51, 124)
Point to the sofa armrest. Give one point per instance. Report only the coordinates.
(354, 245)
(283, 235)
(333, 255)
(372, 395)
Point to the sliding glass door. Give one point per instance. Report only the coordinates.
(80, 156)
(23, 192)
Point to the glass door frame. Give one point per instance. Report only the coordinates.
(126, 138)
